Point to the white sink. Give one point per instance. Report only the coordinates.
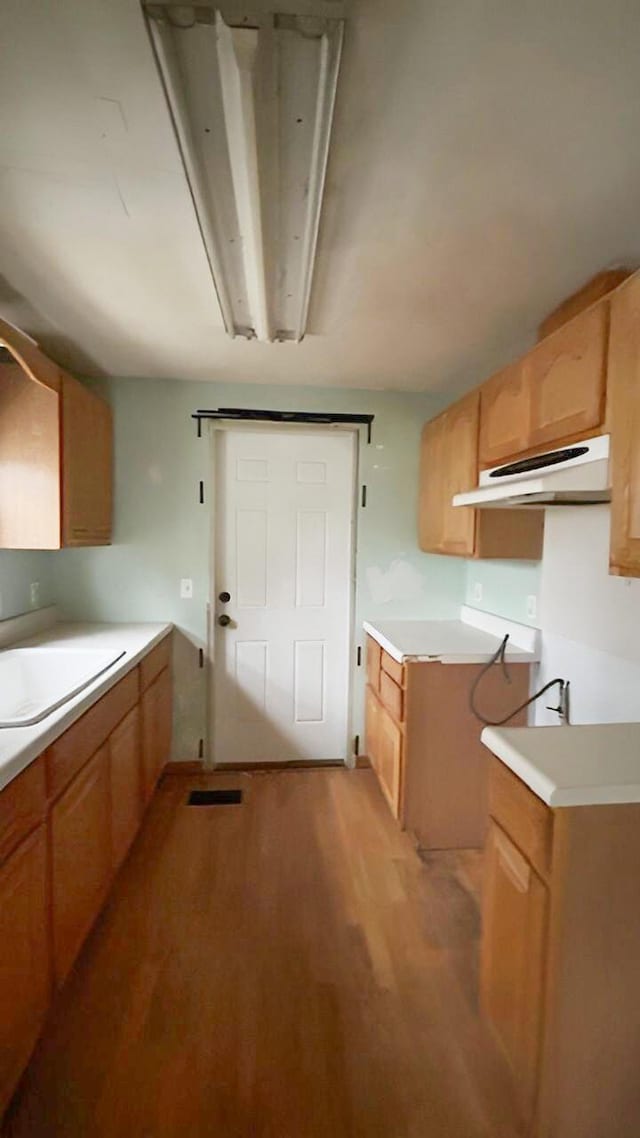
(35, 681)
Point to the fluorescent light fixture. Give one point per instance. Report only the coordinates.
(251, 97)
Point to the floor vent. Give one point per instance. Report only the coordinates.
(214, 797)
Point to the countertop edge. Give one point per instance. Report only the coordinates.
(513, 655)
(76, 707)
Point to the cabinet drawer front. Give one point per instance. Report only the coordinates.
(392, 668)
(522, 815)
(22, 806)
(158, 658)
(374, 653)
(392, 696)
(70, 752)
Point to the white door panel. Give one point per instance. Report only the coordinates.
(283, 550)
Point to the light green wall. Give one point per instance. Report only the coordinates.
(18, 570)
(161, 532)
(506, 585)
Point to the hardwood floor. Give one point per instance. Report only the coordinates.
(286, 968)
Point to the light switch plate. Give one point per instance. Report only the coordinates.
(532, 606)
(186, 588)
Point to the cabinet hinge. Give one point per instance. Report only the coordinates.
(364, 497)
(359, 656)
(356, 745)
(201, 493)
(201, 748)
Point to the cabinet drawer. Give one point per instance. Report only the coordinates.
(70, 752)
(374, 652)
(392, 668)
(392, 696)
(22, 806)
(522, 815)
(158, 658)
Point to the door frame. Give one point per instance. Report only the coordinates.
(215, 428)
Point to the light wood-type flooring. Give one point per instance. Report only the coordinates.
(286, 968)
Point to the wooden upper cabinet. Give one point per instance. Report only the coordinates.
(56, 444)
(504, 415)
(460, 472)
(566, 375)
(431, 495)
(624, 404)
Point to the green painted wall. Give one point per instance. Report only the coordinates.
(506, 585)
(161, 532)
(17, 571)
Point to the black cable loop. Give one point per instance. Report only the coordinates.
(499, 655)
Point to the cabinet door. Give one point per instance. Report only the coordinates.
(504, 415)
(388, 764)
(431, 487)
(86, 466)
(624, 395)
(371, 708)
(514, 918)
(30, 467)
(566, 374)
(126, 785)
(156, 730)
(25, 982)
(81, 858)
(460, 466)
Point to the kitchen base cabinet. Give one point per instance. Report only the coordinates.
(423, 742)
(25, 966)
(125, 769)
(81, 858)
(156, 730)
(560, 980)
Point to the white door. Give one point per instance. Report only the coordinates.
(283, 552)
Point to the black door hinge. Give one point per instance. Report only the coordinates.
(364, 497)
(202, 493)
(356, 745)
(359, 656)
(201, 657)
(201, 748)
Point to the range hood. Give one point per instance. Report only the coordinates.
(573, 476)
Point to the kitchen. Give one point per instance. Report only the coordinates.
(425, 426)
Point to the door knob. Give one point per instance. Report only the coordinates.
(224, 620)
(224, 597)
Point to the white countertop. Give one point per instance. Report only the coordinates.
(19, 746)
(471, 640)
(586, 765)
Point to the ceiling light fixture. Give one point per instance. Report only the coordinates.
(251, 97)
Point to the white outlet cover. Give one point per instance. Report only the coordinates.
(186, 588)
(532, 606)
(476, 592)
(35, 593)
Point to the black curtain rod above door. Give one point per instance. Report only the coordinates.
(254, 415)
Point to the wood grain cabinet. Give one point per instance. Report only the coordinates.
(56, 444)
(504, 415)
(624, 397)
(66, 824)
(559, 959)
(81, 858)
(449, 465)
(25, 965)
(433, 776)
(566, 376)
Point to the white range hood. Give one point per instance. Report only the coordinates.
(574, 475)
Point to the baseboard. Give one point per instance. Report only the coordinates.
(193, 766)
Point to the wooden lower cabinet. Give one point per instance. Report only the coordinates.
(514, 929)
(384, 748)
(156, 709)
(25, 965)
(125, 769)
(559, 978)
(81, 858)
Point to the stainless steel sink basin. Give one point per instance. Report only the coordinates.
(35, 681)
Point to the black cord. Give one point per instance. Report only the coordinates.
(499, 655)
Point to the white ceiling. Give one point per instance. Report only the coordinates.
(485, 163)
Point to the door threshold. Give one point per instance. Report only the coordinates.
(292, 764)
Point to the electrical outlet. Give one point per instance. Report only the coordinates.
(476, 592)
(532, 607)
(186, 588)
(35, 594)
